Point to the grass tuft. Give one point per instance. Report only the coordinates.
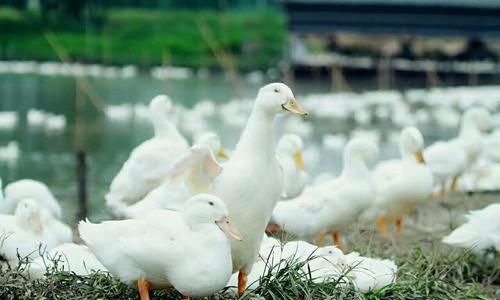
(422, 275)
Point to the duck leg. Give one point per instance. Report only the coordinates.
(273, 228)
(443, 194)
(320, 239)
(399, 226)
(338, 240)
(143, 286)
(453, 187)
(242, 282)
(382, 227)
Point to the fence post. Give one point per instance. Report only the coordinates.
(81, 174)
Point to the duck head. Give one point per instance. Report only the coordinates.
(209, 209)
(28, 215)
(359, 155)
(412, 143)
(479, 117)
(161, 104)
(291, 145)
(362, 149)
(212, 140)
(277, 97)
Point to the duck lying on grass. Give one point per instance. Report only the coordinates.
(321, 264)
(28, 232)
(481, 232)
(187, 250)
(68, 257)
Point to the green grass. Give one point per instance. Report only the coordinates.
(146, 37)
(427, 269)
(455, 275)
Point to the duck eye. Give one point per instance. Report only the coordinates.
(211, 203)
(276, 90)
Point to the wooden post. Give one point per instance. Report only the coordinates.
(473, 76)
(81, 176)
(337, 79)
(433, 79)
(384, 73)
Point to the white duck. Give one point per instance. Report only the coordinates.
(212, 140)
(148, 164)
(61, 233)
(187, 250)
(275, 256)
(23, 234)
(192, 173)
(450, 159)
(28, 188)
(289, 151)
(480, 233)
(10, 152)
(66, 257)
(401, 184)
(368, 274)
(332, 205)
(251, 182)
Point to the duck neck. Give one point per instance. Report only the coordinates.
(163, 127)
(197, 183)
(258, 136)
(354, 167)
(468, 129)
(406, 154)
(33, 223)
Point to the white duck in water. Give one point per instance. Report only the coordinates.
(452, 158)
(401, 184)
(251, 182)
(289, 152)
(481, 232)
(332, 205)
(148, 164)
(190, 174)
(69, 257)
(28, 188)
(187, 250)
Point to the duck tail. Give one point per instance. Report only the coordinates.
(89, 232)
(462, 236)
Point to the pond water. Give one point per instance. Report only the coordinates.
(50, 156)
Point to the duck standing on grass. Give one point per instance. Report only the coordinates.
(401, 184)
(332, 205)
(187, 250)
(450, 159)
(251, 182)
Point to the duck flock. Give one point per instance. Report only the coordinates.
(197, 217)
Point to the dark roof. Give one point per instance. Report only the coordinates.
(474, 18)
(446, 3)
